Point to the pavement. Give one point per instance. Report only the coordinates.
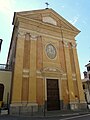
(47, 115)
(57, 113)
(61, 113)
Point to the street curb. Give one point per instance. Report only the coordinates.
(48, 116)
(60, 115)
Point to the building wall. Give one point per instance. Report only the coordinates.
(86, 84)
(5, 79)
(33, 66)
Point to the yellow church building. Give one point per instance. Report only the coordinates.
(45, 68)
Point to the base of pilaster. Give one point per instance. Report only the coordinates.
(77, 106)
(22, 108)
(82, 105)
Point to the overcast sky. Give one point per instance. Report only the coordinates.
(74, 11)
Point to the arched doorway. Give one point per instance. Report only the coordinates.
(1, 93)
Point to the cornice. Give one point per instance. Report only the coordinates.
(40, 24)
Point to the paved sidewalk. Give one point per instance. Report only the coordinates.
(49, 115)
(62, 113)
(56, 113)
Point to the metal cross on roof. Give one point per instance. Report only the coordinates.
(47, 4)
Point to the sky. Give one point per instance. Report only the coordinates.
(74, 11)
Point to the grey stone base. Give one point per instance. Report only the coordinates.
(66, 107)
(21, 109)
(41, 108)
(77, 106)
(61, 105)
(82, 105)
(32, 108)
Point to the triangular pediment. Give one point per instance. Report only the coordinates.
(49, 16)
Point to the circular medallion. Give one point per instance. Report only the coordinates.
(51, 51)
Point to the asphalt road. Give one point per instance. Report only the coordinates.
(78, 117)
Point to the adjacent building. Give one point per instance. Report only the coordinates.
(44, 60)
(86, 84)
(5, 84)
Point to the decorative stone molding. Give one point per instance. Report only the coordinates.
(52, 70)
(33, 37)
(64, 76)
(25, 76)
(38, 72)
(74, 79)
(21, 33)
(74, 76)
(24, 34)
(25, 70)
(25, 73)
(74, 45)
(50, 20)
(27, 36)
(65, 43)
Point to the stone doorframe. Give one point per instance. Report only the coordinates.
(59, 85)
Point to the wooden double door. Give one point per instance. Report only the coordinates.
(53, 102)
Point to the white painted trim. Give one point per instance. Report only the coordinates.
(45, 90)
(60, 93)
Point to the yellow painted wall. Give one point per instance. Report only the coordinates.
(17, 77)
(40, 35)
(65, 92)
(39, 91)
(5, 79)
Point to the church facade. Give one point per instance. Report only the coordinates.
(45, 64)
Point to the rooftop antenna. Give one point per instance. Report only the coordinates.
(47, 4)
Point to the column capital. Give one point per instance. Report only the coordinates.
(74, 45)
(34, 37)
(21, 34)
(65, 43)
(27, 36)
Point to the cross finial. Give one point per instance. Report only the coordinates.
(47, 4)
